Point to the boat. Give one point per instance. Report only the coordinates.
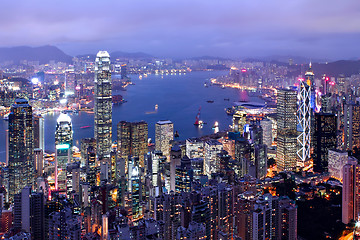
(176, 134)
(210, 101)
(216, 125)
(206, 85)
(226, 99)
(223, 86)
(199, 123)
(85, 127)
(156, 107)
(230, 111)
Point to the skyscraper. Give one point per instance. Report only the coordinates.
(132, 140)
(63, 144)
(304, 116)
(103, 106)
(351, 126)
(324, 139)
(164, 133)
(39, 139)
(286, 130)
(21, 150)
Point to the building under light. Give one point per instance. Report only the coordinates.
(164, 133)
(304, 117)
(63, 144)
(103, 106)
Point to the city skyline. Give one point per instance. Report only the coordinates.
(321, 29)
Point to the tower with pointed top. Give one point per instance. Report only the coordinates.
(103, 106)
(304, 116)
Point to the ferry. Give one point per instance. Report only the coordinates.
(210, 101)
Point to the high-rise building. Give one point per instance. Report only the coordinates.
(336, 161)
(286, 157)
(239, 121)
(63, 145)
(39, 131)
(324, 138)
(212, 148)
(88, 159)
(194, 148)
(21, 147)
(266, 126)
(103, 106)
(164, 134)
(64, 225)
(304, 116)
(351, 126)
(38, 162)
(351, 191)
(132, 139)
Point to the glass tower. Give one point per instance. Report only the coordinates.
(103, 106)
(63, 144)
(21, 149)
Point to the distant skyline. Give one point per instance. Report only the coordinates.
(325, 29)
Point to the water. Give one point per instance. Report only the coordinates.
(178, 98)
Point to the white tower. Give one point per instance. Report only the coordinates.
(304, 117)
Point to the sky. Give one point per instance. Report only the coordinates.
(326, 29)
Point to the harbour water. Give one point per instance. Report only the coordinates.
(178, 97)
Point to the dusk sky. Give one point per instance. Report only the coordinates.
(171, 28)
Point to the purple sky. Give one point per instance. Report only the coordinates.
(181, 28)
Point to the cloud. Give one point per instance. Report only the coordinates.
(178, 28)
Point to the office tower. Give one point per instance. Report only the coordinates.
(6, 220)
(39, 131)
(22, 209)
(350, 192)
(123, 71)
(21, 148)
(286, 157)
(37, 215)
(336, 161)
(87, 146)
(132, 140)
(135, 191)
(260, 161)
(157, 164)
(304, 116)
(212, 148)
(239, 121)
(105, 227)
(164, 134)
(103, 106)
(38, 162)
(63, 145)
(225, 209)
(63, 225)
(288, 218)
(242, 156)
(351, 126)
(183, 176)
(324, 138)
(266, 125)
(72, 178)
(175, 155)
(194, 148)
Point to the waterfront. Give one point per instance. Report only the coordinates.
(178, 98)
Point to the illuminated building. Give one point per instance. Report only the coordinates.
(266, 125)
(88, 159)
(175, 161)
(324, 138)
(351, 191)
(288, 219)
(63, 145)
(286, 157)
(195, 231)
(242, 156)
(38, 162)
(134, 177)
(304, 116)
(132, 140)
(336, 161)
(183, 176)
(239, 121)
(164, 134)
(212, 148)
(123, 71)
(225, 209)
(39, 131)
(21, 148)
(64, 225)
(351, 126)
(103, 106)
(194, 148)
(73, 178)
